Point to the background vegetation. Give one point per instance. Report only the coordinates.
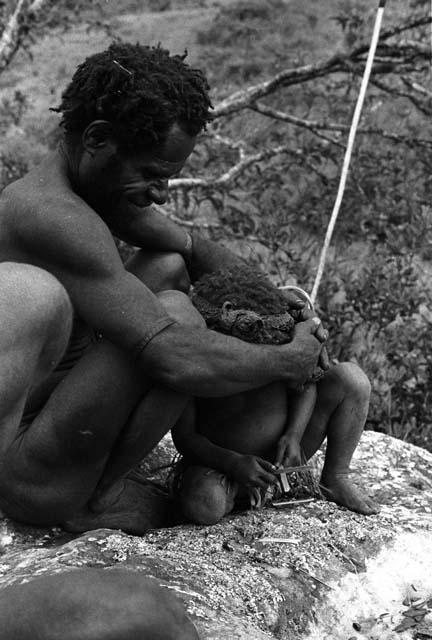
(376, 294)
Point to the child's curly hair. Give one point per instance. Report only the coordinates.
(246, 287)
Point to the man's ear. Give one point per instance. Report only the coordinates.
(99, 135)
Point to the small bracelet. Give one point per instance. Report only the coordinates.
(189, 242)
(188, 250)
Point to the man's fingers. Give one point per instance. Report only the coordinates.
(293, 300)
(320, 333)
(324, 360)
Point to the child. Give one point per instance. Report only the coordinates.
(233, 446)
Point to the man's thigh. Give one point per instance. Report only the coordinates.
(35, 321)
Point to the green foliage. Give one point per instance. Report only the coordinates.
(378, 307)
(13, 164)
(378, 316)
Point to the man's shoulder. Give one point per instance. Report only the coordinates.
(43, 219)
(33, 193)
(38, 201)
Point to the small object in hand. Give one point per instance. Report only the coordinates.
(298, 482)
(284, 482)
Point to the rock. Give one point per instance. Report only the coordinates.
(334, 568)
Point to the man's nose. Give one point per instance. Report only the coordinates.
(158, 191)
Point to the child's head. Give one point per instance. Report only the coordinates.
(245, 304)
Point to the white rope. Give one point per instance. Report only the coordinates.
(348, 152)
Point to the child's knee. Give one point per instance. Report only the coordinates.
(203, 496)
(355, 382)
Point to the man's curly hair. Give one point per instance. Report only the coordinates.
(142, 91)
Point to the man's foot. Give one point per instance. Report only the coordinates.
(339, 488)
(134, 507)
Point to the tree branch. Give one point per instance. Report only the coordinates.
(10, 40)
(424, 107)
(233, 172)
(337, 63)
(316, 125)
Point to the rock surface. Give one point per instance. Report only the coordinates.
(308, 571)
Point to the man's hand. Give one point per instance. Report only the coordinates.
(321, 334)
(252, 471)
(307, 351)
(288, 452)
(294, 301)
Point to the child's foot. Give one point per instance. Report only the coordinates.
(133, 507)
(339, 488)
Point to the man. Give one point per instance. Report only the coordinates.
(97, 361)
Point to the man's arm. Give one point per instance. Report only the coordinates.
(78, 249)
(149, 228)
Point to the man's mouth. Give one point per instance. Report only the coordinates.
(139, 200)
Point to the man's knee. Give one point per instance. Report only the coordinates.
(352, 381)
(35, 315)
(29, 293)
(179, 306)
(160, 271)
(203, 497)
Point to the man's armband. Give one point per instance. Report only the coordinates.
(156, 328)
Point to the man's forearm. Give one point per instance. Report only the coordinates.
(204, 363)
(209, 256)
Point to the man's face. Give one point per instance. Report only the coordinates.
(113, 181)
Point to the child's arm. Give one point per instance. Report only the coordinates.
(288, 452)
(247, 470)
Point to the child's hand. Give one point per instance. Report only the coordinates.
(252, 471)
(288, 452)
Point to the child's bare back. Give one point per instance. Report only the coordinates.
(250, 422)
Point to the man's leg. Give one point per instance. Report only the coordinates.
(35, 321)
(54, 466)
(340, 414)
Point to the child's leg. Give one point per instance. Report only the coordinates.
(340, 414)
(206, 495)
